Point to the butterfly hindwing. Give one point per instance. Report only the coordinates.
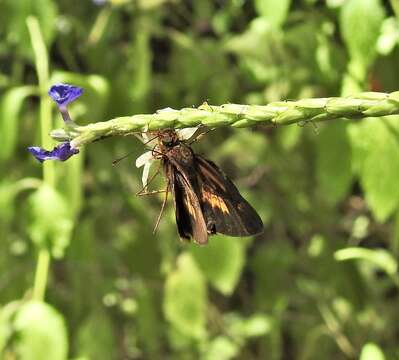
(206, 201)
(225, 210)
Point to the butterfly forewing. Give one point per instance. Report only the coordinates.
(189, 217)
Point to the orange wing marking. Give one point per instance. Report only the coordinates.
(215, 201)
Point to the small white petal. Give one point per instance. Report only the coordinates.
(144, 137)
(146, 171)
(144, 159)
(166, 110)
(185, 134)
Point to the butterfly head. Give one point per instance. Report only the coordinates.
(168, 138)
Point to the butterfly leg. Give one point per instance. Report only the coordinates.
(144, 188)
(162, 208)
(142, 193)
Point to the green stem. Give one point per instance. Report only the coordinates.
(42, 70)
(99, 26)
(395, 7)
(368, 104)
(41, 275)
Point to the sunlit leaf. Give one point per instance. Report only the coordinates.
(334, 168)
(253, 326)
(379, 257)
(10, 118)
(376, 159)
(51, 223)
(222, 348)
(360, 23)
(371, 351)
(389, 36)
(140, 68)
(221, 261)
(185, 298)
(274, 11)
(41, 333)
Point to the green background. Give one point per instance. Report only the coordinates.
(320, 283)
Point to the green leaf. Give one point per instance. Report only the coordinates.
(140, 50)
(10, 109)
(255, 47)
(221, 261)
(7, 314)
(44, 10)
(41, 333)
(147, 319)
(253, 326)
(51, 223)
(334, 168)
(95, 337)
(272, 265)
(379, 257)
(221, 348)
(360, 23)
(371, 351)
(289, 136)
(7, 196)
(275, 11)
(185, 298)
(376, 159)
(70, 185)
(389, 36)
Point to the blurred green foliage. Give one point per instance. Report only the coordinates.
(322, 281)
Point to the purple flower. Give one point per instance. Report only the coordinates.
(63, 94)
(61, 152)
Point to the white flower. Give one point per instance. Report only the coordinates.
(145, 160)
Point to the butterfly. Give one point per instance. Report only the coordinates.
(206, 201)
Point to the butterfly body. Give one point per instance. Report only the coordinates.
(205, 199)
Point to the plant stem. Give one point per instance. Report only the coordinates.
(41, 275)
(395, 7)
(368, 104)
(100, 25)
(41, 62)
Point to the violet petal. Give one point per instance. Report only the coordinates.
(63, 94)
(61, 152)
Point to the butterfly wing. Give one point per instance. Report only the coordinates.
(224, 209)
(189, 217)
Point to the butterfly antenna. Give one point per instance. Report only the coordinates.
(117, 161)
(148, 141)
(162, 208)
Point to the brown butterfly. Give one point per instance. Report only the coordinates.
(206, 201)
